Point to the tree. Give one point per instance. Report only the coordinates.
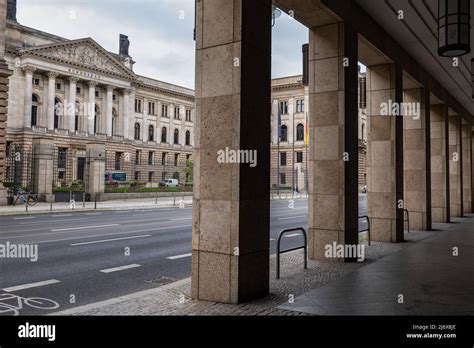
(189, 171)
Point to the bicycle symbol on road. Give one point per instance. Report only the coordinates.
(18, 302)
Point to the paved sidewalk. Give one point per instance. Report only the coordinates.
(129, 204)
(174, 298)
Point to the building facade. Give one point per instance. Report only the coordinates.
(71, 93)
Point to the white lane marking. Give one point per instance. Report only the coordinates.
(84, 228)
(179, 256)
(292, 217)
(98, 235)
(110, 240)
(190, 218)
(293, 235)
(122, 212)
(31, 285)
(49, 222)
(92, 213)
(61, 215)
(121, 268)
(25, 218)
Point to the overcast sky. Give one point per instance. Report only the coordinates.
(160, 32)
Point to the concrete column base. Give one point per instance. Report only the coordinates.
(46, 198)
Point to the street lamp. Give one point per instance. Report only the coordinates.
(454, 25)
(275, 14)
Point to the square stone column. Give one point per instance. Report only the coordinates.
(438, 165)
(231, 208)
(454, 155)
(71, 104)
(415, 161)
(95, 182)
(43, 157)
(29, 70)
(108, 111)
(385, 153)
(333, 139)
(90, 114)
(51, 100)
(466, 167)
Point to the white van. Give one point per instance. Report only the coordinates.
(171, 182)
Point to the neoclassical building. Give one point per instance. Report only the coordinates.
(71, 93)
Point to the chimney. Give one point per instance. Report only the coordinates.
(11, 10)
(124, 45)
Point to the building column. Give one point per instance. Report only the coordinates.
(466, 166)
(126, 114)
(4, 87)
(333, 144)
(29, 70)
(71, 104)
(274, 122)
(454, 166)
(231, 215)
(438, 165)
(108, 112)
(43, 151)
(51, 99)
(95, 169)
(415, 161)
(91, 108)
(385, 153)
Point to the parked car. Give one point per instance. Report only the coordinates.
(171, 182)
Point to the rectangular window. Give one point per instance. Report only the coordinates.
(151, 108)
(164, 110)
(282, 179)
(114, 97)
(188, 157)
(299, 157)
(36, 82)
(163, 158)
(137, 176)
(151, 158)
(284, 107)
(300, 106)
(138, 105)
(58, 86)
(137, 157)
(188, 115)
(150, 176)
(283, 158)
(176, 112)
(97, 95)
(118, 160)
(78, 90)
(176, 159)
(62, 155)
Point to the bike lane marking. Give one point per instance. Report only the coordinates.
(31, 285)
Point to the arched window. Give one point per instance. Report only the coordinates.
(284, 133)
(96, 119)
(137, 131)
(300, 132)
(151, 133)
(163, 135)
(188, 137)
(34, 110)
(58, 109)
(176, 136)
(114, 121)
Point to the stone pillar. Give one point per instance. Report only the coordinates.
(291, 121)
(51, 99)
(126, 113)
(108, 112)
(71, 104)
(90, 121)
(333, 143)
(43, 156)
(438, 165)
(4, 74)
(96, 169)
(385, 153)
(466, 166)
(231, 212)
(29, 70)
(454, 166)
(415, 147)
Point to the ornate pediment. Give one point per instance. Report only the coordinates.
(85, 53)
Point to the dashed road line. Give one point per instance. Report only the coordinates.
(121, 268)
(31, 285)
(84, 228)
(176, 257)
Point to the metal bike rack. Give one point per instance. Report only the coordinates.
(407, 220)
(305, 247)
(368, 226)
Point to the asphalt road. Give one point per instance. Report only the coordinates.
(89, 257)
